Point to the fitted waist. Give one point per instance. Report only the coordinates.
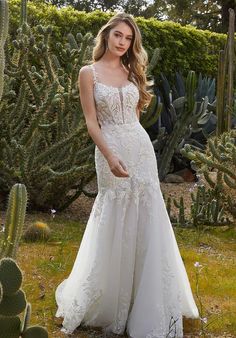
(120, 125)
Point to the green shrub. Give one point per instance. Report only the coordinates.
(182, 48)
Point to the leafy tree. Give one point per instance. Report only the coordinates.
(203, 14)
(206, 14)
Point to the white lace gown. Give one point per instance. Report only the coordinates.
(128, 274)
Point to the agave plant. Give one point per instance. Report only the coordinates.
(187, 117)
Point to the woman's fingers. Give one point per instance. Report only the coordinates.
(119, 171)
(118, 168)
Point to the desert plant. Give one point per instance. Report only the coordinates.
(43, 139)
(218, 165)
(3, 36)
(39, 231)
(13, 303)
(14, 222)
(207, 208)
(186, 115)
(225, 79)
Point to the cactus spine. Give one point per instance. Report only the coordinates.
(13, 303)
(14, 220)
(4, 19)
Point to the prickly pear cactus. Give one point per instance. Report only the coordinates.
(15, 217)
(13, 303)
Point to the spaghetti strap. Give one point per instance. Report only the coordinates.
(94, 74)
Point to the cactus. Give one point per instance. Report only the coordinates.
(181, 207)
(4, 20)
(13, 303)
(44, 141)
(152, 114)
(220, 155)
(38, 231)
(181, 125)
(207, 208)
(15, 217)
(187, 112)
(225, 80)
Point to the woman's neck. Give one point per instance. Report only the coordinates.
(111, 60)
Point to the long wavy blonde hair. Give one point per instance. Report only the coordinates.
(134, 60)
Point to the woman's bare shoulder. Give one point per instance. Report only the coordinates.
(85, 73)
(85, 69)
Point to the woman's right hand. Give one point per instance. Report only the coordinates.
(117, 166)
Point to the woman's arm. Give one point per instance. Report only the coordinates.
(85, 84)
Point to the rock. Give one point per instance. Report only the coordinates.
(172, 178)
(187, 175)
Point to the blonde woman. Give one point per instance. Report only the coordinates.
(128, 274)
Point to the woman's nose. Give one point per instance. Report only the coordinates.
(122, 41)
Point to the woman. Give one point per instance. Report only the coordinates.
(128, 274)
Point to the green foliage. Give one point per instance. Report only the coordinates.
(15, 217)
(44, 141)
(219, 159)
(186, 113)
(225, 80)
(13, 302)
(210, 14)
(207, 208)
(182, 48)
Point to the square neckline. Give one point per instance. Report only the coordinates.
(96, 82)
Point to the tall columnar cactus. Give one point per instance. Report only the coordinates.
(13, 303)
(191, 110)
(220, 156)
(152, 114)
(4, 19)
(178, 124)
(14, 220)
(44, 141)
(225, 79)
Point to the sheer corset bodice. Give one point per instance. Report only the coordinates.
(115, 105)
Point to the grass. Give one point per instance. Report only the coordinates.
(45, 265)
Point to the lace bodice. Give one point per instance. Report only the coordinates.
(115, 105)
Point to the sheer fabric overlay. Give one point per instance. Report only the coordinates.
(128, 274)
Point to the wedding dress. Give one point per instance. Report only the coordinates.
(128, 274)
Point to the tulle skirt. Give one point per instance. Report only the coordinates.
(128, 274)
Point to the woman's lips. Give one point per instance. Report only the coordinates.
(120, 49)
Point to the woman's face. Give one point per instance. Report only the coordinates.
(120, 38)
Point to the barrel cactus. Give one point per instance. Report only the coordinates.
(13, 303)
(38, 231)
(15, 217)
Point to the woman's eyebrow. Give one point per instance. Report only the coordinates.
(122, 33)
